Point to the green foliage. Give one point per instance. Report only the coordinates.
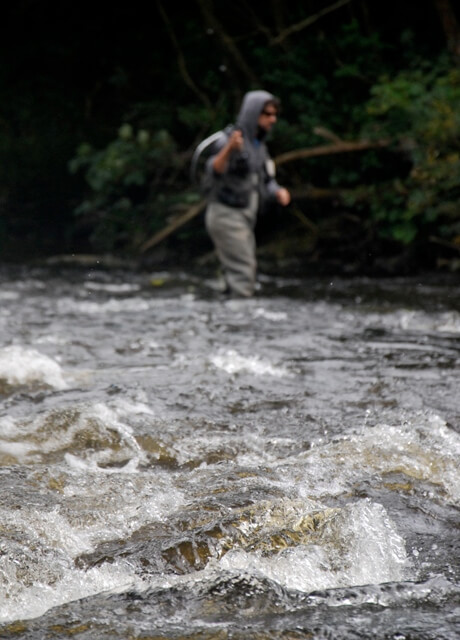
(419, 109)
(364, 69)
(127, 196)
(362, 55)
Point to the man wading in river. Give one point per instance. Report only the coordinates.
(240, 177)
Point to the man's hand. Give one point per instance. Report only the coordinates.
(283, 197)
(234, 143)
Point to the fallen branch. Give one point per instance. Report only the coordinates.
(326, 133)
(328, 149)
(445, 243)
(173, 226)
(311, 192)
(306, 222)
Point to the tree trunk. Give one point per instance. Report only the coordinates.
(227, 42)
(181, 59)
(451, 27)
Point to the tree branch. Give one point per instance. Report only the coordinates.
(308, 192)
(181, 60)
(326, 133)
(445, 243)
(329, 149)
(303, 24)
(227, 41)
(257, 22)
(192, 212)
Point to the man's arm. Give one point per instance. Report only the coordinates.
(281, 194)
(221, 159)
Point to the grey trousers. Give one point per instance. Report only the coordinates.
(232, 232)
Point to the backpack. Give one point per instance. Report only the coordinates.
(204, 149)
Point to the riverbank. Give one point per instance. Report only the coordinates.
(336, 246)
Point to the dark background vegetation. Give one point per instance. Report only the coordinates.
(102, 105)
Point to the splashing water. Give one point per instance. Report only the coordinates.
(181, 466)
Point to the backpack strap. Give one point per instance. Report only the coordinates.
(203, 146)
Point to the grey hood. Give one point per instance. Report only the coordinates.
(251, 108)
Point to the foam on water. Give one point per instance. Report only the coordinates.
(275, 316)
(51, 339)
(81, 465)
(38, 546)
(37, 599)
(22, 366)
(112, 288)
(38, 572)
(423, 448)
(8, 427)
(432, 590)
(131, 305)
(97, 430)
(417, 321)
(13, 451)
(366, 548)
(232, 362)
(9, 295)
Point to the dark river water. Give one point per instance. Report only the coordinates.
(177, 465)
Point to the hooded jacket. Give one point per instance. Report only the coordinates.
(248, 169)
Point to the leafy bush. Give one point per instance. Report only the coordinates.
(419, 110)
(126, 180)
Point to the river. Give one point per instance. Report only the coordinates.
(174, 464)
